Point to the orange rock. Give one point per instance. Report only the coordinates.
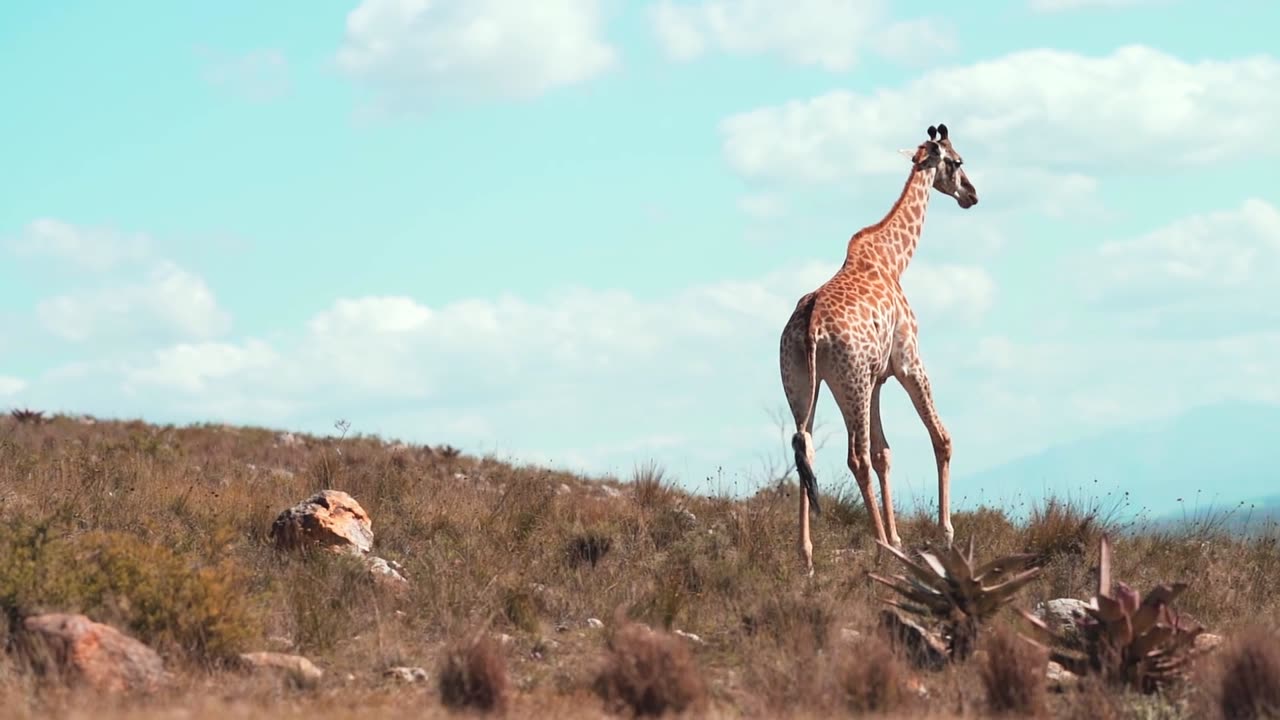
(81, 651)
(330, 518)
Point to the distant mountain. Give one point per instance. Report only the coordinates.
(1245, 516)
(1210, 458)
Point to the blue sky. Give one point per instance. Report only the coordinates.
(570, 231)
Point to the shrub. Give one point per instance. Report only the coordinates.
(870, 678)
(1249, 685)
(473, 675)
(587, 547)
(649, 672)
(649, 486)
(1060, 528)
(159, 596)
(1013, 675)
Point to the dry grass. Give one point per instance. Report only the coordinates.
(163, 531)
(870, 679)
(1246, 685)
(1013, 675)
(650, 673)
(473, 676)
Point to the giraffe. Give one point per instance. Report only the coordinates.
(856, 331)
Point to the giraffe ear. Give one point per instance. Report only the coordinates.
(933, 132)
(942, 131)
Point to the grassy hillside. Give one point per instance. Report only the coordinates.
(163, 532)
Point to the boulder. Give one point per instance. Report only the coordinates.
(1060, 678)
(405, 674)
(297, 669)
(330, 519)
(80, 651)
(1062, 614)
(923, 649)
(387, 573)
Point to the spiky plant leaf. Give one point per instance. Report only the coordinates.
(945, 587)
(1125, 637)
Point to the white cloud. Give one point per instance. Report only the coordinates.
(93, 249)
(487, 372)
(170, 301)
(962, 292)
(257, 75)
(830, 34)
(136, 293)
(762, 206)
(1052, 6)
(414, 52)
(11, 385)
(1202, 258)
(1023, 111)
(189, 367)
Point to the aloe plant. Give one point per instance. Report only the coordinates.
(24, 415)
(945, 586)
(1127, 638)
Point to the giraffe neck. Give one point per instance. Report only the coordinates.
(891, 242)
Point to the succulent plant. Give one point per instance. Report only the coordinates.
(945, 586)
(1127, 638)
(23, 415)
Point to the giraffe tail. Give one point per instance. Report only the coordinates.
(802, 443)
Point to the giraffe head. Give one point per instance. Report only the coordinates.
(938, 152)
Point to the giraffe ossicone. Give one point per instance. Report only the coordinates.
(856, 331)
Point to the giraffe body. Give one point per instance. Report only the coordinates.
(856, 331)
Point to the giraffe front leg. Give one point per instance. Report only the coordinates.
(916, 383)
(880, 460)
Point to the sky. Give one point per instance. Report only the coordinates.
(570, 232)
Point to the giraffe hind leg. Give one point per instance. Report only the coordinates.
(854, 399)
(880, 461)
(800, 382)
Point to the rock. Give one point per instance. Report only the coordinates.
(299, 670)
(1059, 677)
(923, 649)
(689, 636)
(916, 687)
(542, 648)
(1061, 614)
(388, 573)
(684, 519)
(405, 674)
(1206, 642)
(330, 518)
(564, 489)
(595, 623)
(81, 651)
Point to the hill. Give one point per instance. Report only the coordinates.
(535, 579)
(1204, 461)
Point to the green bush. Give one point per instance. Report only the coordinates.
(158, 596)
